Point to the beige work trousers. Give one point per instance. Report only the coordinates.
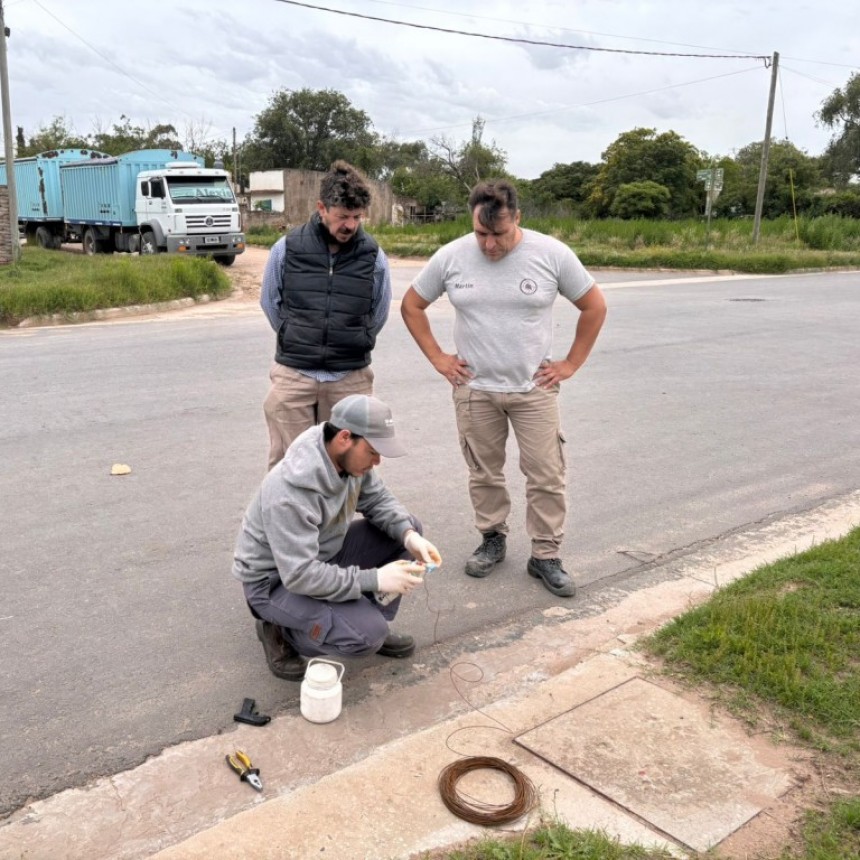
(296, 402)
(483, 418)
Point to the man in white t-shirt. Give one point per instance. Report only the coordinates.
(502, 282)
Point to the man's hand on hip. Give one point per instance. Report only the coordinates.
(552, 373)
(453, 368)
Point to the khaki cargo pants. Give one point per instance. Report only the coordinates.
(483, 419)
(296, 402)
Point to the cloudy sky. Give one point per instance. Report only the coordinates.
(213, 65)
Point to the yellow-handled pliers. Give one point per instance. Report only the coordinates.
(247, 772)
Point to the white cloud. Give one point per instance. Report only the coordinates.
(217, 62)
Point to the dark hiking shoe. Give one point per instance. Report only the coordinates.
(487, 555)
(397, 645)
(283, 660)
(554, 577)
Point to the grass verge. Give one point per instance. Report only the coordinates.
(784, 245)
(51, 282)
(784, 641)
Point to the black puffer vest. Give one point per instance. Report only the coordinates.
(326, 302)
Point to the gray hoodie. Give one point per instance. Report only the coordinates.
(300, 516)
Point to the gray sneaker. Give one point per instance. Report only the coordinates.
(554, 576)
(491, 551)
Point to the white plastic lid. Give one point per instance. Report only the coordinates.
(321, 676)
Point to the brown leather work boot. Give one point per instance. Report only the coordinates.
(282, 659)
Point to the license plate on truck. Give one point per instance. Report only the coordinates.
(212, 240)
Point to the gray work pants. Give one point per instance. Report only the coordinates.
(318, 628)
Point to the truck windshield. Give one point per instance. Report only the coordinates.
(200, 189)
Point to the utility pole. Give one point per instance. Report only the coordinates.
(765, 150)
(7, 138)
(235, 166)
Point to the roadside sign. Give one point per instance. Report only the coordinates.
(712, 177)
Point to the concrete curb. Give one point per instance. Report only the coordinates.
(364, 785)
(114, 313)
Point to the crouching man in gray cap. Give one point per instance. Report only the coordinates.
(319, 581)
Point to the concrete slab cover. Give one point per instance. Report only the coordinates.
(669, 761)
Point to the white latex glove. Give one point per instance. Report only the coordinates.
(421, 548)
(399, 577)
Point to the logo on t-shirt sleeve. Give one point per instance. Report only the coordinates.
(528, 287)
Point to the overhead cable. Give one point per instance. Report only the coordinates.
(521, 41)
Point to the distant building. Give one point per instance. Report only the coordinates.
(293, 195)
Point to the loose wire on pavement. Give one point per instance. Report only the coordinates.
(477, 811)
(463, 806)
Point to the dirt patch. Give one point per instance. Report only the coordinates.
(247, 273)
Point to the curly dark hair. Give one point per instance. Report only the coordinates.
(494, 197)
(344, 185)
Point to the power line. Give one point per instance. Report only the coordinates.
(824, 63)
(521, 41)
(809, 77)
(546, 26)
(557, 110)
(122, 71)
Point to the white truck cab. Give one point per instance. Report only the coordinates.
(188, 209)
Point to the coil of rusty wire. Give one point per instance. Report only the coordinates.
(478, 812)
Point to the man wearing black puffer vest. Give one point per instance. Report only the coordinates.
(326, 292)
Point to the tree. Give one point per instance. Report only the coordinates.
(469, 162)
(124, 137)
(390, 156)
(428, 184)
(308, 130)
(198, 139)
(567, 181)
(792, 181)
(56, 135)
(840, 112)
(642, 154)
(641, 200)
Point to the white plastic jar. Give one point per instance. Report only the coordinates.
(322, 691)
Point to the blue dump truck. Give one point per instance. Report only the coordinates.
(150, 201)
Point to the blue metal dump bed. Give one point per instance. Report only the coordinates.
(103, 191)
(37, 181)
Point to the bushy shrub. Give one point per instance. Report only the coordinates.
(644, 199)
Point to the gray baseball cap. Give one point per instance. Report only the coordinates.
(369, 417)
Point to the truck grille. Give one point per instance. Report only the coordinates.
(208, 222)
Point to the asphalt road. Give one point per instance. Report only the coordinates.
(708, 404)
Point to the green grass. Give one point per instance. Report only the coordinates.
(833, 835)
(789, 635)
(784, 245)
(262, 235)
(556, 841)
(52, 282)
(783, 641)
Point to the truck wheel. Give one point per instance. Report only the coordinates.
(148, 245)
(44, 237)
(92, 244)
(224, 259)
